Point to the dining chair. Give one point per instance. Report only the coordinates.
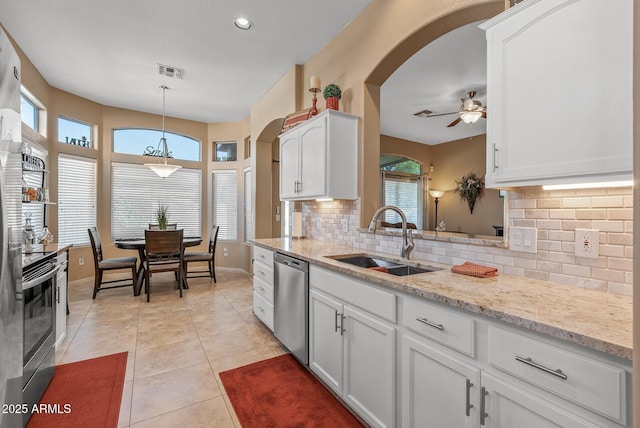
(170, 226)
(204, 256)
(101, 265)
(164, 252)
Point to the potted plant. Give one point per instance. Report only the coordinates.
(470, 188)
(332, 94)
(161, 215)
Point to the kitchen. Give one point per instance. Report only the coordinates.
(335, 62)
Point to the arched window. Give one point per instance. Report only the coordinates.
(136, 141)
(401, 186)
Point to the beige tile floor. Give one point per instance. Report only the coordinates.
(176, 346)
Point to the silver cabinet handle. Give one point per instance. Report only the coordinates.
(430, 323)
(342, 329)
(531, 363)
(469, 405)
(336, 321)
(58, 294)
(261, 272)
(483, 405)
(495, 165)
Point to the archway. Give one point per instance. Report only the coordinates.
(267, 207)
(369, 185)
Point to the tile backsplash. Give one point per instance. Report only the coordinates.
(556, 215)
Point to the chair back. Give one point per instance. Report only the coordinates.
(163, 245)
(170, 226)
(96, 245)
(213, 239)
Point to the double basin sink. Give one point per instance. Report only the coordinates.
(382, 265)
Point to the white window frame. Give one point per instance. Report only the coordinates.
(249, 216)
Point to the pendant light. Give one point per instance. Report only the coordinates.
(163, 169)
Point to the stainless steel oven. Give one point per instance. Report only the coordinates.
(38, 294)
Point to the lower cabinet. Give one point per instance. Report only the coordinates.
(353, 352)
(507, 406)
(438, 389)
(61, 299)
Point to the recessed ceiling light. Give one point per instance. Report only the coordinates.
(243, 23)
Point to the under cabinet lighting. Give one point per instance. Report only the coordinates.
(627, 183)
(324, 199)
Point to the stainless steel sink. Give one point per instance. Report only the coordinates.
(389, 266)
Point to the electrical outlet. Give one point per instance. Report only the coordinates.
(80, 261)
(587, 243)
(225, 251)
(345, 225)
(524, 239)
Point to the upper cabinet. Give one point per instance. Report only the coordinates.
(318, 158)
(559, 93)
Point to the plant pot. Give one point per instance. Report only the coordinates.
(471, 203)
(332, 103)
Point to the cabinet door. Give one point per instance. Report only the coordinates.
(325, 339)
(558, 93)
(61, 308)
(289, 161)
(313, 159)
(437, 390)
(507, 406)
(369, 385)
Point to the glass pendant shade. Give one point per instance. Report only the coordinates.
(163, 169)
(436, 193)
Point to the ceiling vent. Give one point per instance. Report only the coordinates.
(173, 72)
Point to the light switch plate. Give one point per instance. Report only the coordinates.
(587, 243)
(524, 239)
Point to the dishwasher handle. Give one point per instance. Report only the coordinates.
(291, 262)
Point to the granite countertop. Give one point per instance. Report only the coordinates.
(597, 320)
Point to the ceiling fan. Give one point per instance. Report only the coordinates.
(470, 111)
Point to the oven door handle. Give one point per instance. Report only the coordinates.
(41, 279)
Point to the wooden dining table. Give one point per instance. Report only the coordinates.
(139, 244)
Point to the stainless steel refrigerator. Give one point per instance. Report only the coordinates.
(11, 310)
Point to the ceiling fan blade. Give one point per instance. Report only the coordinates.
(454, 123)
(442, 114)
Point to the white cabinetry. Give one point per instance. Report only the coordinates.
(350, 349)
(558, 93)
(61, 298)
(263, 285)
(437, 387)
(318, 158)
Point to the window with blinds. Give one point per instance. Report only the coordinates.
(225, 203)
(248, 207)
(137, 192)
(404, 192)
(76, 198)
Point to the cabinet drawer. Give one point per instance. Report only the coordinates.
(443, 325)
(263, 289)
(263, 272)
(591, 383)
(263, 255)
(263, 310)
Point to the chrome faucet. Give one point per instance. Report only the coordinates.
(407, 245)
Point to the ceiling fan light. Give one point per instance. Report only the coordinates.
(470, 116)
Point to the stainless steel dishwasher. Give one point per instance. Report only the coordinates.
(291, 305)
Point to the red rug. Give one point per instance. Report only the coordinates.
(83, 394)
(279, 392)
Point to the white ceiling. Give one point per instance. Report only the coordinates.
(436, 78)
(108, 51)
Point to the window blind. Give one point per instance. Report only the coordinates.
(248, 207)
(225, 203)
(137, 192)
(404, 193)
(76, 199)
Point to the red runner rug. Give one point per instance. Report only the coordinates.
(83, 394)
(279, 392)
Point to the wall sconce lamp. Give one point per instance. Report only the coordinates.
(436, 195)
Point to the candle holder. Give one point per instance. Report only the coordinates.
(314, 109)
